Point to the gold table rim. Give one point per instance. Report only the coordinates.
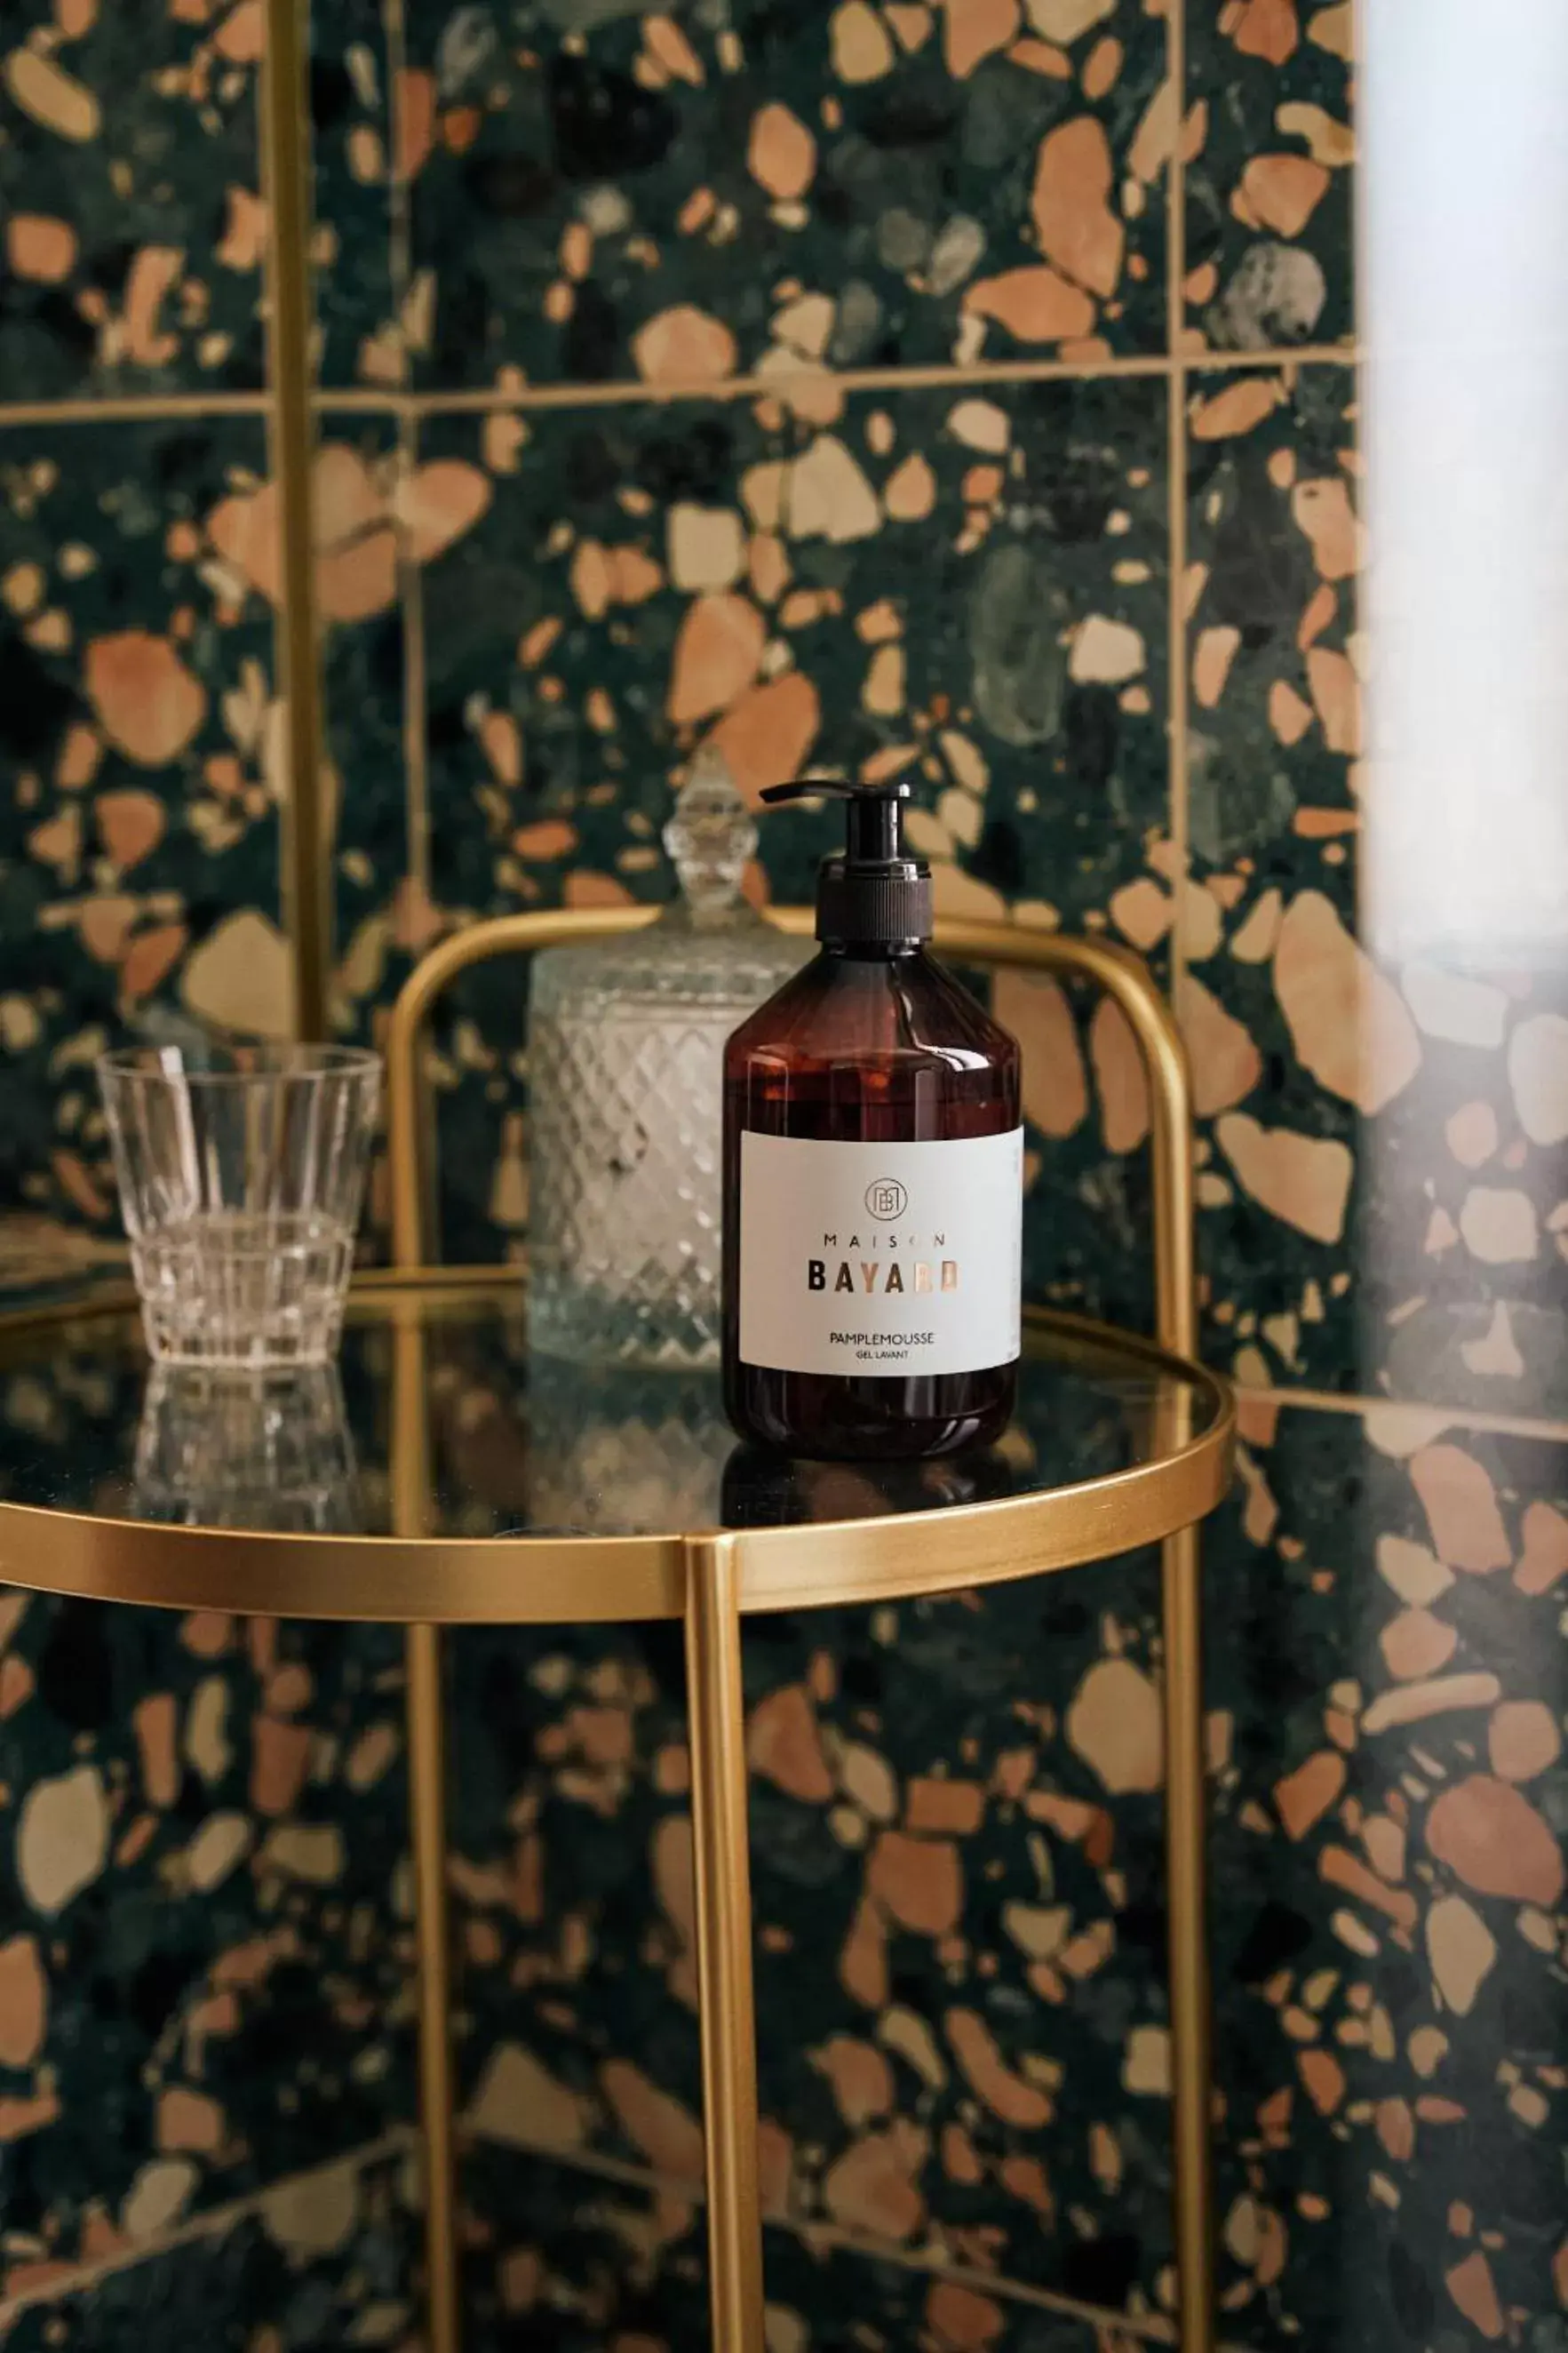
(539, 1580)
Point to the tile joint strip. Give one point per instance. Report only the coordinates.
(1178, 656)
(291, 333)
(1151, 2329)
(1353, 1403)
(153, 407)
(212, 2223)
(415, 714)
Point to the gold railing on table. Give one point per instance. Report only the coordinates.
(713, 1622)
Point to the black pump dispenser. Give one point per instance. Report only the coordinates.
(873, 1177)
(871, 893)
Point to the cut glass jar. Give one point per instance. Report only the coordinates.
(625, 1052)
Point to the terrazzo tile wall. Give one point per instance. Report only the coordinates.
(204, 1943)
(960, 387)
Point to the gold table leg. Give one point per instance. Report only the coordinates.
(1188, 1948)
(426, 1703)
(427, 1795)
(717, 1717)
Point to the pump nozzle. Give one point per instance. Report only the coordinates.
(874, 819)
(871, 892)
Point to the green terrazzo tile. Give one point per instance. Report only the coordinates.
(128, 191)
(601, 194)
(1384, 1654)
(566, 2263)
(1465, 1218)
(206, 1960)
(206, 1975)
(1269, 180)
(363, 682)
(956, 1883)
(968, 586)
(1278, 1078)
(327, 2260)
(1380, 1145)
(138, 859)
(359, 332)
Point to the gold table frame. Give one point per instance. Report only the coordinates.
(711, 1579)
(930, 1557)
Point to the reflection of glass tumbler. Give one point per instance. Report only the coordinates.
(265, 1450)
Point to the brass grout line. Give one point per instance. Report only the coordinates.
(1151, 2328)
(132, 408)
(1189, 1954)
(1280, 356)
(1448, 1417)
(1356, 586)
(410, 576)
(399, 189)
(1177, 813)
(82, 2277)
(415, 693)
(937, 377)
(614, 2170)
(285, 169)
(630, 391)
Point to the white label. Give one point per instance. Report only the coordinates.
(881, 1259)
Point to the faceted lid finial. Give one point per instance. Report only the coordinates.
(711, 834)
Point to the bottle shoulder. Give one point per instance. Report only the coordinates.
(908, 1009)
(953, 1004)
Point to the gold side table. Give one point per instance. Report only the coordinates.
(1119, 1443)
(599, 1517)
(1045, 957)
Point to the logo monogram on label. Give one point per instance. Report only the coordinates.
(886, 1197)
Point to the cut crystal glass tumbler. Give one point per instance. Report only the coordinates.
(242, 1175)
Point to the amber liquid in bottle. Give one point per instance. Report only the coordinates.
(866, 1045)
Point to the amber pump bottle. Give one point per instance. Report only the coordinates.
(873, 1178)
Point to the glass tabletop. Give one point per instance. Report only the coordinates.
(511, 1443)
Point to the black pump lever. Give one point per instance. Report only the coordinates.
(873, 812)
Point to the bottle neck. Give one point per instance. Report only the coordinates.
(886, 906)
(874, 951)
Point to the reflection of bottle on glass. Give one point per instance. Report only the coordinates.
(764, 1489)
(873, 1179)
(626, 1060)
